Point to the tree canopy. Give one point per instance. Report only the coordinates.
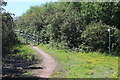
(65, 23)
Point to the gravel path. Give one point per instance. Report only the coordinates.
(48, 62)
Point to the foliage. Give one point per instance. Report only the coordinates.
(95, 38)
(108, 12)
(2, 4)
(52, 28)
(8, 36)
(64, 25)
(24, 52)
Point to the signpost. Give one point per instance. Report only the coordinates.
(109, 40)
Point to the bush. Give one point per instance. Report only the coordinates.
(116, 42)
(95, 38)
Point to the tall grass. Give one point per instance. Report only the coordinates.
(23, 51)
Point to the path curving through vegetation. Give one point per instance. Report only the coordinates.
(48, 62)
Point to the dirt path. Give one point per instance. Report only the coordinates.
(48, 62)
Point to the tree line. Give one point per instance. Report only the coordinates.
(9, 38)
(74, 25)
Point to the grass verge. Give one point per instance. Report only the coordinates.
(19, 63)
(83, 65)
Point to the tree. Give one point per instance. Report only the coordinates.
(95, 38)
(65, 23)
(8, 35)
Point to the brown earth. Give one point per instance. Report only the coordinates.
(48, 62)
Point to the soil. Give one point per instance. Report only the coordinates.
(48, 62)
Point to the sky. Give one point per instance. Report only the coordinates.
(19, 7)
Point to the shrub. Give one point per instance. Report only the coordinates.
(95, 38)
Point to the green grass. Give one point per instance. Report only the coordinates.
(23, 51)
(23, 56)
(29, 73)
(83, 65)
